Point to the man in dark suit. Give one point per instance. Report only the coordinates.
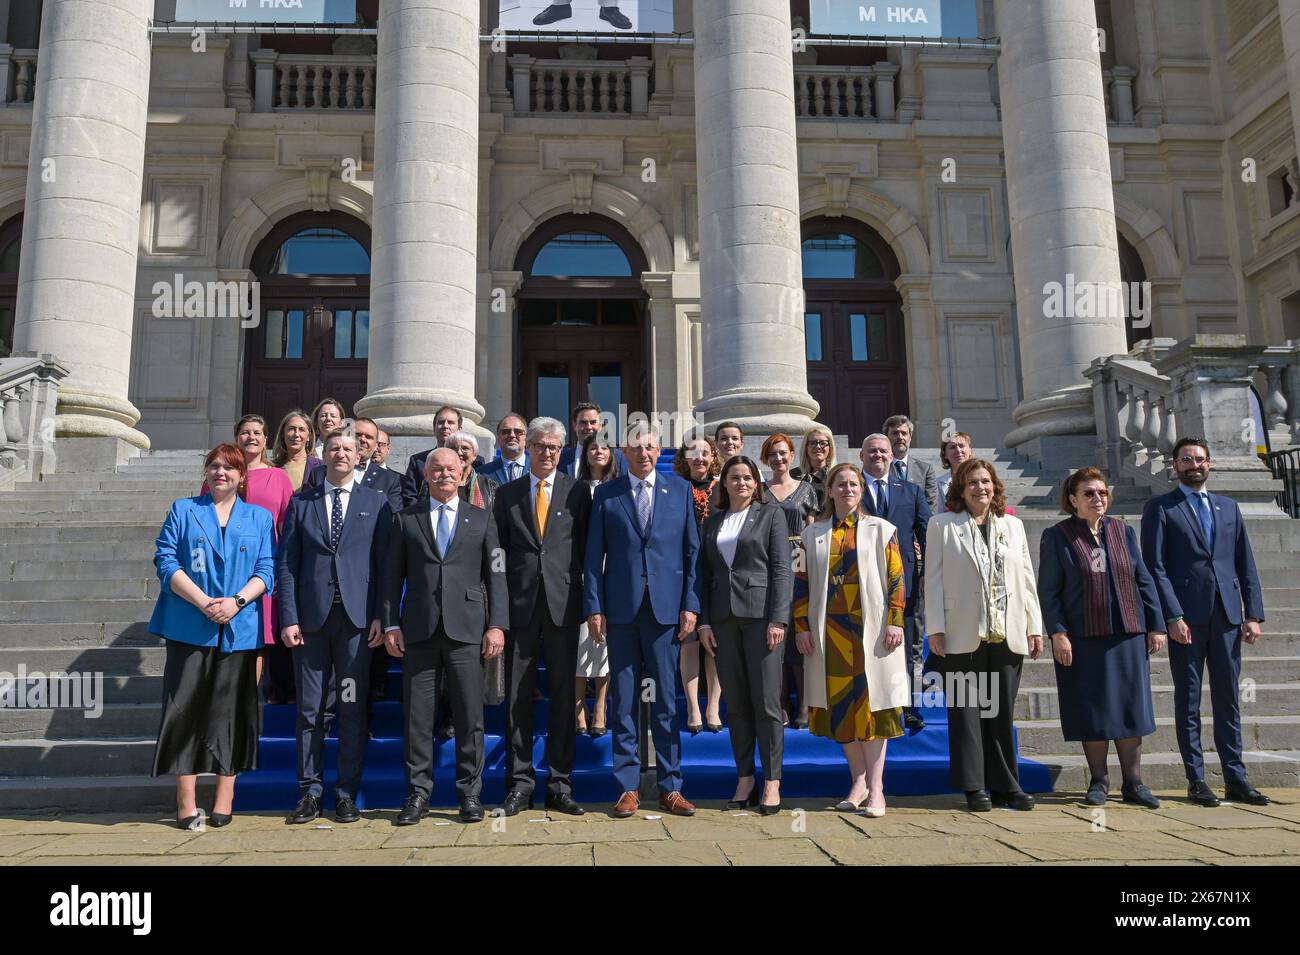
(585, 421)
(903, 504)
(639, 591)
(445, 554)
(369, 472)
(542, 525)
(511, 462)
(1196, 547)
(325, 592)
(900, 430)
(446, 422)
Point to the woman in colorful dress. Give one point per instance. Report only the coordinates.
(848, 618)
(699, 461)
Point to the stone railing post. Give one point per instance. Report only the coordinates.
(263, 79)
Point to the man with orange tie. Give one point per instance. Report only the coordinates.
(541, 520)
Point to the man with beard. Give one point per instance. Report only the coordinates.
(1195, 545)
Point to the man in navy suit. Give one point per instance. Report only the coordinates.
(326, 577)
(1196, 547)
(369, 471)
(446, 422)
(511, 462)
(639, 593)
(585, 420)
(903, 504)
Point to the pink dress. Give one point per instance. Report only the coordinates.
(269, 488)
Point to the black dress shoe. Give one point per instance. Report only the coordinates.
(1021, 802)
(765, 810)
(1245, 793)
(516, 802)
(556, 11)
(1202, 794)
(977, 800)
(416, 808)
(615, 17)
(563, 802)
(471, 810)
(220, 820)
(345, 810)
(913, 722)
(1139, 794)
(1098, 790)
(307, 810)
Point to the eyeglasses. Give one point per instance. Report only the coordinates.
(818, 444)
(545, 448)
(1093, 493)
(1186, 459)
(511, 431)
(382, 444)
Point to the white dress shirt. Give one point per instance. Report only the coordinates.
(514, 470)
(549, 481)
(344, 499)
(452, 506)
(729, 534)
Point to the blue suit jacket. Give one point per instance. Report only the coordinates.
(1060, 584)
(307, 564)
(622, 562)
(1188, 575)
(909, 512)
(191, 540)
(496, 469)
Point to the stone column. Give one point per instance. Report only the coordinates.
(1062, 220)
(1289, 15)
(81, 223)
(424, 244)
(751, 276)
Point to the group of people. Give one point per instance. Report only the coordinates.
(804, 598)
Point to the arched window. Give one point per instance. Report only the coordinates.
(11, 243)
(320, 251)
(581, 252)
(838, 255)
(1133, 274)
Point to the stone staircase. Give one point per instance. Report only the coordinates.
(77, 585)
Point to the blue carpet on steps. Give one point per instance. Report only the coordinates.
(916, 764)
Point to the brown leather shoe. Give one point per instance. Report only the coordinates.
(676, 804)
(626, 805)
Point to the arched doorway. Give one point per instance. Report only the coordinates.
(314, 334)
(581, 328)
(11, 244)
(1132, 274)
(853, 327)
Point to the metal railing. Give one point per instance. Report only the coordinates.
(1285, 466)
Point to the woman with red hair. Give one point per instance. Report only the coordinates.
(215, 557)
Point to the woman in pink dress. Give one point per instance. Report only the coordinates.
(267, 487)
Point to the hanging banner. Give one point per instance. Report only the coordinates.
(266, 11)
(918, 18)
(587, 16)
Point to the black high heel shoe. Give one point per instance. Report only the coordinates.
(746, 803)
(220, 819)
(694, 728)
(766, 810)
(192, 823)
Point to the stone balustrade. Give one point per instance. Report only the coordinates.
(1280, 379)
(581, 87)
(845, 92)
(1118, 83)
(29, 388)
(291, 81)
(20, 67)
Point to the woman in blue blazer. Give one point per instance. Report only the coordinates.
(1100, 606)
(215, 556)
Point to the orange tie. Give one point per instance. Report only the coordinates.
(542, 510)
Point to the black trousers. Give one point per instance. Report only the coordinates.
(525, 646)
(912, 650)
(981, 692)
(422, 667)
(751, 675)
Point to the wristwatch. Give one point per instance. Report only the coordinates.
(240, 602)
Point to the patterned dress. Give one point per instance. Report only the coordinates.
(849, 715)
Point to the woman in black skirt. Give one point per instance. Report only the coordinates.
(215, 556)
(1100, 607)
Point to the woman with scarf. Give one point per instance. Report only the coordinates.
(1101, 609)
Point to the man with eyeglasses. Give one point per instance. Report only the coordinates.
(1196, 546)
(381, 450)
(542, 529)
(512, 457)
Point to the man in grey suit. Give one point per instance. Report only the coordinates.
(444, 553)
(900, 430)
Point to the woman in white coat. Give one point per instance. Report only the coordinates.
(848, 618)
(982, 617)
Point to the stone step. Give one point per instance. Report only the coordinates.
(74, 611)
(105, 721)
(1034, 737)
(1284, 577)
(108, 563)
(106, 757)
(1265, 699)
(95, 794)
(19, 537)
(89, 587)
(1164, 771)
(98, 553)
(1261, 669)
(122, 660)
(55, 502)
(49, 636)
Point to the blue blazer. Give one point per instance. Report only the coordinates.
(190, 540)
(1060, 584)
(909, 512)
(496, 469)
(1187, 574)
(306, 564)
(622, 562)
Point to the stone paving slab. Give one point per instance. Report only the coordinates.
(928, 830)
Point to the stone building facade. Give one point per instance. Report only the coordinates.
(724, 183)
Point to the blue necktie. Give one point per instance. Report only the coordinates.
(444, 529)
(643, 506)
(1203, 515)
(882, 502)
(900, 468)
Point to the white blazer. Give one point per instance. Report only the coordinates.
(954, 588)
(886, 670)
